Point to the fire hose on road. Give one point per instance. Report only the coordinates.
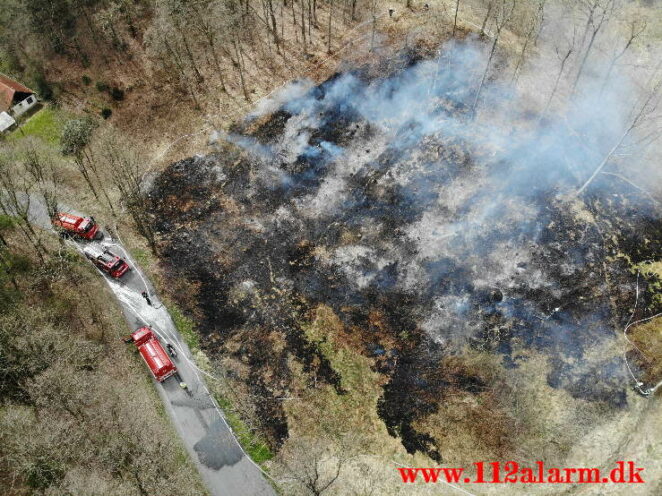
(137, 307)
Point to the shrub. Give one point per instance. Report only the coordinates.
(86, 80)
(106, 112)
(101, 86)
(76, 135)
(117, 94)
(43, 87)
(43, 473)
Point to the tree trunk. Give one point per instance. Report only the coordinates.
(100, 180)
(604, 18)
(217, 62)
(241, 71)
(303, 26)
(328, 48)
(584, 59)
(556, 84)
(520, 59)
(83, 170)
(457, 8)
(487, 68)
(604, 162)
(487, 18)
(274, 26)
(190, 57)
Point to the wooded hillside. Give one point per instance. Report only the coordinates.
(78, 413)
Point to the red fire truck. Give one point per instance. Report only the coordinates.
(107, 261)
(72, 225)
(155, 357)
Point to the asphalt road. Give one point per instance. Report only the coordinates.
(223, 465)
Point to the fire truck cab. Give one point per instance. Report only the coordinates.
(72, 225)
(155, 357)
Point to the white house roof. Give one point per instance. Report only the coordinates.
(6, 121)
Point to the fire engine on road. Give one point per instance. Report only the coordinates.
(155, 356)
(107, 261)
(73, 225)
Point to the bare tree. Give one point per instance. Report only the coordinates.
(563, 54)
(180, 16)
(16, 189)
(7, 263)
(125, 162)
(488, 12)
(502, 15)
(76, 139)
(239, 64)
(637, 28)
(207, 25)
(164, 41)
(43, 169)
(599, 14)
(535, 23)
(310, 467)
(373, 8)
(457, 9)
(640, 113)
(328, 48)
(303, 27)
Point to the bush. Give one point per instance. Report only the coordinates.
(43, 473)
(86, 80)
(43, 87)
(76, 135)
(101, 86)
(117, 94)
(106, 112)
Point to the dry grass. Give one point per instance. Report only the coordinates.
(648, 339)
(357, 409)
(346, 424)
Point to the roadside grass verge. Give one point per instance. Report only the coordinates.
(143, 257)
(256, 448)
(185, 327)
(249, 440)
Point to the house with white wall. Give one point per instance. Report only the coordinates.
(15, 99)
(6, 122)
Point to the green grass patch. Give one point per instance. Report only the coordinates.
(651, 268)
(186, 328)
(256, 448)
(143, 257)
(46, 124)
(249, 440)
(652, 272)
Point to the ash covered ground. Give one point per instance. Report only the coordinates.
(433, 232)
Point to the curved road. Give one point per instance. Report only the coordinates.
(224, 466)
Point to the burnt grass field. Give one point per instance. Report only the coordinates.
(423, 232)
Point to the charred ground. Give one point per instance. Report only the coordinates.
(256, 245)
